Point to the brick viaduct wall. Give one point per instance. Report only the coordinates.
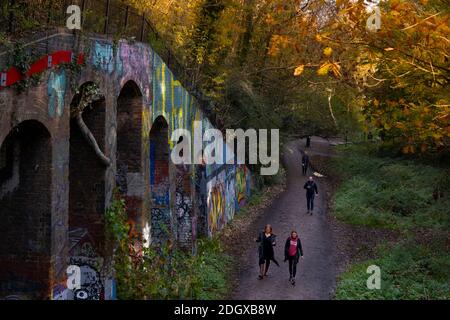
(54, 191)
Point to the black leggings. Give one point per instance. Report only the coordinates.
(310, 201)
(292, 266)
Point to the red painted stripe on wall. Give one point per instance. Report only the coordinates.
(12, 75)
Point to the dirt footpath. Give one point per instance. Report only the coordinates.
(316, 272)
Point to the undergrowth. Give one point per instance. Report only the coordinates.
(165, 271)
(407, 195)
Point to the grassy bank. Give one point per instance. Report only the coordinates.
(404, 195)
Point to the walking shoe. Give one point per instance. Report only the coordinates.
(293, 281)
(260, 277)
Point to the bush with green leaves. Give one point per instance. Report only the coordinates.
(165, 271)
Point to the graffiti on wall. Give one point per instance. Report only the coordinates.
(134, 62)
(170, 99)
(83, 255)
(103, 56)
(224, 194)
(216, 204)
(230, 181)
(183, 206)
(241, 186)
(56, 90)
(88, 262)
(201, 200)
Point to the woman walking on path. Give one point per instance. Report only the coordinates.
(292, 253)
(266, 241)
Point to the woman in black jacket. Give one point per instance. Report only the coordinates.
(266, 241)
(292, 253)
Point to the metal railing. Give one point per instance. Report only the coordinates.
(107, 17)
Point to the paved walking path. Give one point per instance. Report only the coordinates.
(316, 274)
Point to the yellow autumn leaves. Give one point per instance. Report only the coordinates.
(327, 51)
(325, 67)
(332, 67)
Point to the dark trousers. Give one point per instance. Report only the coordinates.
(310, 201)
(292, 266)
(304, 169)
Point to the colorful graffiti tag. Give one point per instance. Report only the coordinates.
(230, 194)
(56, 89)
(216, 204)
(103, 56)
(170, 99)
(242, 190)
(133, 62)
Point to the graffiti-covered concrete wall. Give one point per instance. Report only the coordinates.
(143, 103)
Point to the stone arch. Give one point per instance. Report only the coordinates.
(25, 210)
(160, 216)
(87, 175)
(130, 177)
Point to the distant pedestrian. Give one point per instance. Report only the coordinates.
(311, 191)
(305, 163)
(267, 240)
(370, 136)
(308, 141)
(292, 253)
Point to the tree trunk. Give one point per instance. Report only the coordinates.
(89, 137)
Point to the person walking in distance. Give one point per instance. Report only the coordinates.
(305, 163)
(267, 240)
(311, 191)
(308, 141)
(292, 253)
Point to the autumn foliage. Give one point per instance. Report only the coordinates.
(256, 57)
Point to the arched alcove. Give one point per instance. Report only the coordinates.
(25, 211)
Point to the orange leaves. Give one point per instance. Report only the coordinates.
(409, 149)
(270, 20)
(419, 124)
(278, 42)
